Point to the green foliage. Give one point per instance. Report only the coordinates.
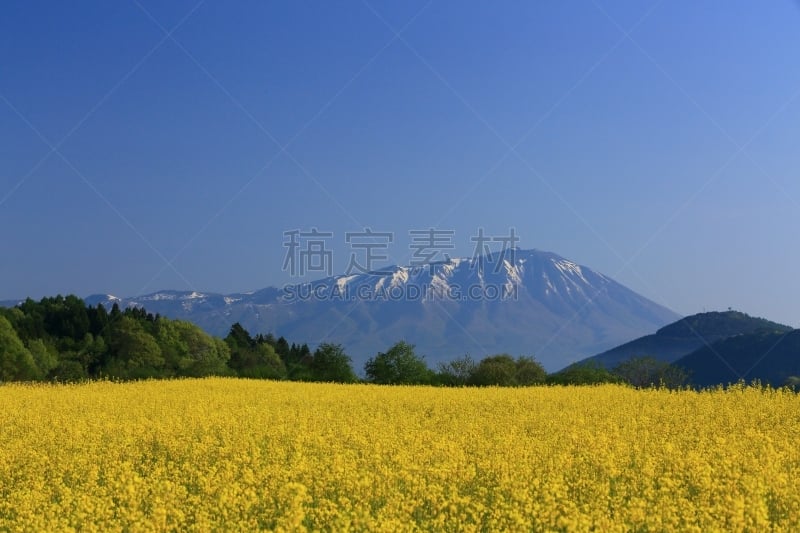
(203, 354)
(297, 360)
(239, 338)
(588, 373)
(134, 352)
(16, 361)
(45, 357)
(68, 341)
(253, 358)
(282, 348)
(62, 339)
(717, 325)
(529, 371)
(505, 371)
(330, 363)
(399, 365)
(456, 373)
(265, 364)
(495, 370)
(174, 348)
(768, 356)
(649, 371)
(68, 371)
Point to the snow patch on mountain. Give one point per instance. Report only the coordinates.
(439, 287)
(568, 268)
(159, 296)
(399, 277)
(452, 265)
(514, 274)
(341, 282)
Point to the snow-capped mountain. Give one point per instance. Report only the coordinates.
(523, 302)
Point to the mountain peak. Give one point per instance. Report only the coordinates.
(518, 301)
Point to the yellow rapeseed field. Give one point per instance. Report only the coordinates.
(239, 455)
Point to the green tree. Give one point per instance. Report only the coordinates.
(399, 365)
(503, 370)
(88, 351)
(331, 364)
(238, 337)
(456, 373)
(65, 317)
(282, 348)
(174, 349)
(298, 362)
(221, 367)
(16, 361)
(203, 355)
(263, 363)
(253, 359)
(135, 353)
(270, 339)
(68, 371)
(189, 351)
(498, 369)
(647, 371)
(98, 355)
(588, 373)
(44, 356)
(529, 371)
(98, 319)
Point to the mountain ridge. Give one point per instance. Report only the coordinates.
(684, 336)
(530, 302)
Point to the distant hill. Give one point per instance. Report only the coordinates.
(769, 356)
(688, 334)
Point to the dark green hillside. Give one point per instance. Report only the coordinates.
(769, 356)
(680, 338)
(63, 339)
(720, 325)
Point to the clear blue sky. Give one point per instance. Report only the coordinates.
(656, 142)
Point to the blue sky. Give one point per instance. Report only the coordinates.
(146, 146)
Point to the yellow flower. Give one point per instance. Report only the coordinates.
(243, 455)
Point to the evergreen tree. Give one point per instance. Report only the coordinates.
(282, 348)
(238, 337)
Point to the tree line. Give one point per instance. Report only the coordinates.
(63, 339)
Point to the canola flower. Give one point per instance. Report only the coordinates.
(239, 455)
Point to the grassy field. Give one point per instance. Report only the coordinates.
(226, 454)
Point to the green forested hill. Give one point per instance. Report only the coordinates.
(769, 356)
(681, 338)
(61, 338)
